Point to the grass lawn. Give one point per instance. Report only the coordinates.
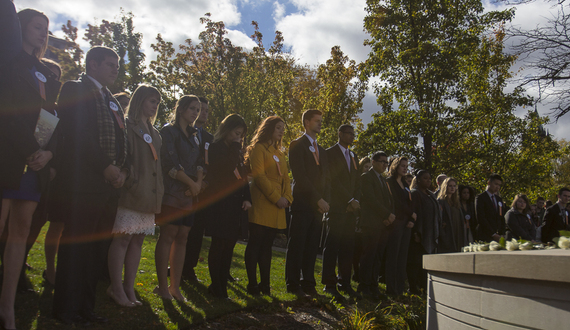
(33, 310)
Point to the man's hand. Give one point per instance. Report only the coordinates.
(282, 203)
(323, 206)
(112, 173)
(39, 159)
(392, 217)
(355, 205)
(120, 180)
(414, 216)
(410, 224)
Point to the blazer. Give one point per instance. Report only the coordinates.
(270, 183)
(310, 181)
(144, 188)
(181, 153)
(19, 111)
(429, 219)
(225, 217)
(520, 226)
(452, 231)
(553, 222)
(206, 138)
(83, 160)
(344, 181)
(376, 203)
(402, 199)
(490, 221)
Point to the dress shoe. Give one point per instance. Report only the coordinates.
(253, 289)
(232, 279)
(332, 290)
(113, 297)
(299, 293)
(94, 318)
(137, 303)
(44, 276)
(312, 292)
(347, 289)
(73, 320)
(192, 278)
(265, 289)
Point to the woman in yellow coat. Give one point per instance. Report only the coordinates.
(270, 194)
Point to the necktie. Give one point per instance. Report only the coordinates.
(316, 148)
(347, 158)
(494, 202)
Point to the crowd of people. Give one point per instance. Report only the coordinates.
(94, 165)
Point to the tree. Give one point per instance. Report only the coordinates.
(69, 58)
(416, 50)
(546, 50)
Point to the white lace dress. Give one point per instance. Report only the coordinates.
(133, 222)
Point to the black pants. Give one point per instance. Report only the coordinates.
(397, 257)
(219, 262)
(84, 244)
(356, 256)
(259, 252)
(302, 248)
(373, 253)
(194, 244)
(417, 276)
(339, 246)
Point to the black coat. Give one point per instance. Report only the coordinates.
(83, 159)
(520, 226)
(376, 203)
(402, 199)
(20, 105)
(490, 221)
(345, 182)
(310, 181)
(428, 220)
(553, 222)
(226, 192)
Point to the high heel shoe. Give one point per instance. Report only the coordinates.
(112, 296)
(137, 302)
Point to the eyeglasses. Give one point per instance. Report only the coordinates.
(381, 161)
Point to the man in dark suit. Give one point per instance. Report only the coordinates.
(311, 193)
(93, 166)
(490, 211)
(556, 217)
(376, 218)
(345, 196)
(196, 234)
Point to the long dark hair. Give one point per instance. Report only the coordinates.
(25, 16)
(230, 123)
(181, 105)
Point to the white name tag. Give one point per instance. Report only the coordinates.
(113, 106)
(41, 77)
(147, 138)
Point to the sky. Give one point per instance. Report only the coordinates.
(310, 27)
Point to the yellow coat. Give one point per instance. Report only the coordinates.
(268, 186)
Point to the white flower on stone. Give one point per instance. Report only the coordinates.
(564, 242)
(494, 246)
(512, 245)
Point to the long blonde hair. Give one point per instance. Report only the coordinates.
(264, 133)
(136, 103)
(25, 16)
(452, 199)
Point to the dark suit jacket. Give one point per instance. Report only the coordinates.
(490, 221)
(345, 182)
(20, 106)
(553, 222)
(376, 202)
(310, 181)
(83, 159)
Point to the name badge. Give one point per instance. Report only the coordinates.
(276, 158)
(41, 77)
(352, 154)
(113, 106)
(147, 138)
(207, 145)
(467, 217)
(312, 149)
(500, 204)
(196, 140)
(528, 216)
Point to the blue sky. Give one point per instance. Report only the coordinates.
(310, 27)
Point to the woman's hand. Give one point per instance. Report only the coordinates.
(414, 216)
(194, 189)
(246, 205)
(39, 159)
(410, 224)
(282, 203)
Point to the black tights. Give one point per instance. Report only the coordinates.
(259, 251)
(219, 263)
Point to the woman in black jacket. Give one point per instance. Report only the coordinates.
(229, 190)
(519, 221)
(27, 87)
(399, 238)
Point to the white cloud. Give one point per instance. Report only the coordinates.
(278, 11)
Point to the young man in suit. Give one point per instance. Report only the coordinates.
(93, 168)
(490, 210)
(311, 194)
(196, 234)
(556, 217)
(345, 196)
(376, 218)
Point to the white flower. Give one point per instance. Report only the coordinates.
(564, 242)
(494, 246)
(484, 247)
(526, 246)
(512, 245)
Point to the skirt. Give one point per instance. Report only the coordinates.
(29, 188)
(133, 222)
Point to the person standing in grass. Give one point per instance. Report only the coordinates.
(229, 190)
(141, 196)
(270, 194)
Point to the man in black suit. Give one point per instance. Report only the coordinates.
(196, 234)
(556, 217)
(311, 193)
(93, 166)
(345, 196)
(490, 211)
(376, 218)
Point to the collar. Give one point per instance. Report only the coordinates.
(490, 195)
(311, 140)
(343, 149)
(98, 84)
(377, 174)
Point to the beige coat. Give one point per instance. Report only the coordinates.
(268, 186)
(144, 189)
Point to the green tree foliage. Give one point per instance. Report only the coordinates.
(69, 58)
